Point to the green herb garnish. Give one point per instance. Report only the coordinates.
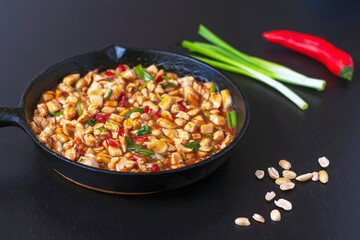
(140, 110)
(130, 145)
(56, 113)
(107, 96)
(77, 89)
(136, 90)
(92, 121)
(212, 88)
(144, 130)
(145, 152)
(144, 75)
(194, 145)
(102, 129)
(78, 108)
(166, 77)
(209, 136)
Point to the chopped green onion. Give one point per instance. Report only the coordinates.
(194, 145)
(136, 90)
(209, 136)
(158, 96)
(142, 73)
(167, 85)
(187, 102)
(145, 152)
(228, 119)
(166, 77)
(56, 113)
(268, 68)
(212, 88)
(140, 110)
(92, 121)
(107, 96)
(130, 145)
(143, 86)
(206, 113)
(161, 136)
(143, 130)
(102, 129)
(78, 89)
(78, 108)
(233, 118)
(80, 160)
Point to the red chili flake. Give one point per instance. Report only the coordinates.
(200, 83)
(218, 113)
(121, 68)
(99, 145)
(108, 73)
(219, 144)
(141, 138)
(157, 115)
(111, 143)
(174, 117)
(37, 133)
(182, 107)
(80, 152)
(150, 111)
(154, 168)
(198, 130)
(122, 132)
(197, 156)
(146, 109)
(132, 159)
(132, 92)
(159, 78)
(144, 145)
(64, 94)
(76, 118)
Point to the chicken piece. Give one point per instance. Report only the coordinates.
(207, 128)
(191, 127)
(166, 103)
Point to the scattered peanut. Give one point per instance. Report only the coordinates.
(259, 174)
(285, 164)
(258, 218)
(284, 204)
(242, 221)
(275, 215)
(287, 186)
(280, 181)
(273, 173)
(315, 176)
(270, 196)
(324, 162)
(323, 176)
(304, 177)
(289, 174)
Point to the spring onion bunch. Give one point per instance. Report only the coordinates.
(226, 57)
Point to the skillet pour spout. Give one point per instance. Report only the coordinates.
(126, 182)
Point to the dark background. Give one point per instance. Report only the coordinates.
(36, 203)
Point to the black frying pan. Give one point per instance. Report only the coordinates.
(123, 182)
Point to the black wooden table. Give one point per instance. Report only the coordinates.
(37, 203)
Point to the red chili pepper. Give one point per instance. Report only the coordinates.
(157, 115)
(133, 159)
(182, 107)
(121, 68)
(122, 132)
(174, 117)
(159, 79)
(132, 92)
(146, 109)
(111, 143)
(108, 73)
(64, 94)
(141, 138)
(198, 130)
(154, 168)
(337, 61)
(122, 99)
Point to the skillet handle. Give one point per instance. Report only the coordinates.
(12, 116)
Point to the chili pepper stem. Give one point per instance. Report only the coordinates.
(346, 73)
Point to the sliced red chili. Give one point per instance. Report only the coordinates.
(132, 92)
(146, 109)
(141, 138)
(108, 73)
(101, 118)
(154, 168)
(121, 68)
(111, 143)
(174, 117)
(182, 107)
(122, 99)
(157, 115)
(122, 132)
(159, 78)
(132, 159)
(80, 152)
(198, 130)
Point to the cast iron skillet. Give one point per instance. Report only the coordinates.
(122, 182)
